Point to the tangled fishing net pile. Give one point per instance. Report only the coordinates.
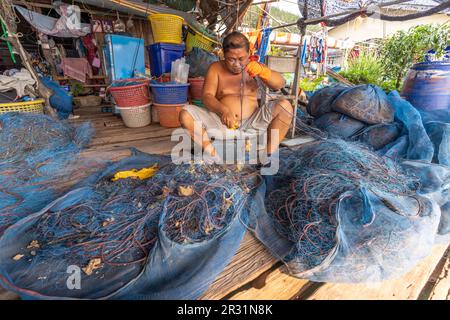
(348, 215)
(35, 153)
(219, 193)
(109, 228)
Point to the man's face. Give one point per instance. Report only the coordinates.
(236, 60)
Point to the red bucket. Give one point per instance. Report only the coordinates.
(196, 88)
(134, 95)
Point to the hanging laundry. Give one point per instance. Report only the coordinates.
(90, 45)
(76, 68)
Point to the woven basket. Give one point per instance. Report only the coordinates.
(166, 28)
(136, 117)
(196, 88)
(36, 106)
(196, 39)
(131, 95)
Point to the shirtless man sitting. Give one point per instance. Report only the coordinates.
(222, 98)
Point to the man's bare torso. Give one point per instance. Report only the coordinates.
(229, 90)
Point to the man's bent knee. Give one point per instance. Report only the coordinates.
(186, 119)
(285, 108)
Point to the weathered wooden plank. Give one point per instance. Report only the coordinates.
(92, 115)
(276, 285)
(118, 151)
(7, 295)
(134, 136)
(251, 260)
(407, 287)
(441, 288)
(108, 131)
(101, 122)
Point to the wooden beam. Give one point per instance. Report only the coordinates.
(440, 289)
(275, 285)
(251, 260)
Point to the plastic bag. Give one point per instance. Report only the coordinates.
(199, 61)
(180, 71)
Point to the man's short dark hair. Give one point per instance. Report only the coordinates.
(235, 40)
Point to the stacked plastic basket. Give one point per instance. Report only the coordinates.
(168, 100)
(133, 101)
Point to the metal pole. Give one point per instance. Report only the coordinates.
(298, 68)
(5, 34)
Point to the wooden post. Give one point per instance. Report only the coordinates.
(42, 90)
(298, 68)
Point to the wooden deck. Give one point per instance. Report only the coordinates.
(253, 273)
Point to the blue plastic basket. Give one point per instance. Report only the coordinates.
(162, 55)
(170, 93)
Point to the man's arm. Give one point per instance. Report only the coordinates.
(209, 96)
(272, 79)
(276, 81)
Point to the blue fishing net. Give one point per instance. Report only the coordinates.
(166, 237)
(404, 132)
(337, 212)
(434, 184)
(37, 153)
(425, 136)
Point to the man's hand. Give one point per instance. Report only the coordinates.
(229, 119)
(255, 68)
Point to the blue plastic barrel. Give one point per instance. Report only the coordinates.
(427, 85)
(162, 55)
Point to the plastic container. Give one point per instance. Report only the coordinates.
(196, 88)
(196, 39)
(170, 93)
(136, 117)
(198, 103)
(169, 114)
(166, 28)
(36, 106)
(162, 55)
(131, 95)
(179, 72)
(427, 85)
